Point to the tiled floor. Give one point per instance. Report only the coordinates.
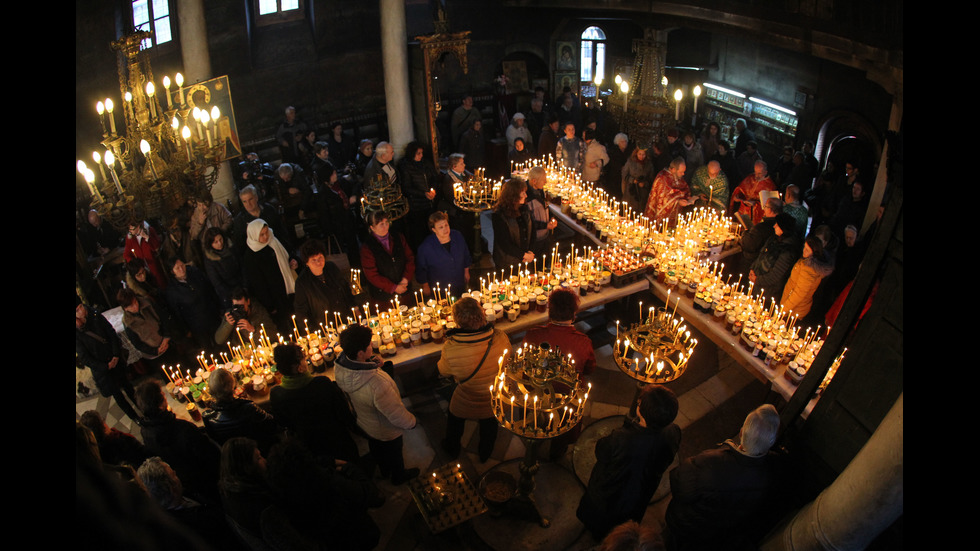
(712, 380)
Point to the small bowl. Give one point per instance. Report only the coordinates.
(498, 487)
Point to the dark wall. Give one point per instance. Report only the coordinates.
(328, 64)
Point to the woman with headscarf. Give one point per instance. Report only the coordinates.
(269, 273)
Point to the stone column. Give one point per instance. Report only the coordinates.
(197, 67)
(863, 501)
(394, 53)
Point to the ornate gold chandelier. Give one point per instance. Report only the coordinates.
(165, 151)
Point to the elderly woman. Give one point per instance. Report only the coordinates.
(387, 260)
(619, 153)
(470, 356)
(230, 417)
(268, 272)
(518, 129)
(512, 235)
(443, 258)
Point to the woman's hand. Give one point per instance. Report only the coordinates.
(528, 257)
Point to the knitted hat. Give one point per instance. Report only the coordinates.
(786, 222)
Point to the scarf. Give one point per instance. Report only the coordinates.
(292, 382)
(288, 274)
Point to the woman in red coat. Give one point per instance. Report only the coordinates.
(143, 242)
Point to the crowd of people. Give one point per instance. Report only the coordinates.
(276, 474)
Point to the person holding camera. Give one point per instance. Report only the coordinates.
(246, 315)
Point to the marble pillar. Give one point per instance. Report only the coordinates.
(197, 67)
(394, 53)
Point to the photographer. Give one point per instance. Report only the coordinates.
(261, 175)
(245, 315)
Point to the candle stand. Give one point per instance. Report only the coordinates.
(379, 195)
(476, 196)
(654, 351)
(447, 498)
(537, 395)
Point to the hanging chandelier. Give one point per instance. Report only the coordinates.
(164, 152)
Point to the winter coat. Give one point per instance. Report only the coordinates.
(315, 410)
(241, 417)
(803, 282)
(460, 357)
(377, 402)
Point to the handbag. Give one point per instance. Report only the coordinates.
(448, 382)
(338, 258)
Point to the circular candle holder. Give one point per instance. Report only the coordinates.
(538, 394)
(552, 380)
(476, 195)
(656, 350)
(388, 199)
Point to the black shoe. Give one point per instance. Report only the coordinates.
(405, 476)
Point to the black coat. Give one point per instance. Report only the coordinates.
(629, 465)
(416, 179)
(224, 271)
(512, 237)
(722, 499)
(314, 297)
(241, 417)
(195, 304)
(317, 413)
(264, 280)
(189, 452)
(96, 343)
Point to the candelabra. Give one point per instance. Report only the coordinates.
(537, 395)
(656, 349)
(476, 196)
(355, 282)
(380, 195)
(155, 166)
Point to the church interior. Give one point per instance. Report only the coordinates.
(819, 74)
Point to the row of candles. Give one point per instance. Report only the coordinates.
(678, 255)
(617, 220)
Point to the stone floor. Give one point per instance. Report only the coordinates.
(715, 394)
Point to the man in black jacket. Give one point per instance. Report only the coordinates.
(630, 463)
(728, 497)
(98, 347)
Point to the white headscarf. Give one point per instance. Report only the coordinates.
(252, 240)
